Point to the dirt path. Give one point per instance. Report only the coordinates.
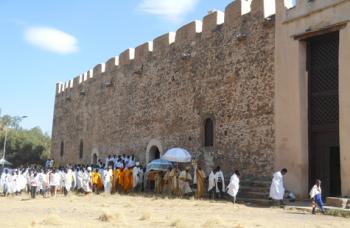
(137, 211)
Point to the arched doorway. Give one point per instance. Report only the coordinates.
(94, 156)
(154, 153)
(154, 150)
(94, 159)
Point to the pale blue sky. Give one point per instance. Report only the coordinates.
(43, 42)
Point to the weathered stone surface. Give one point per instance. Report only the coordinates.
(336, 202)
(168, 97)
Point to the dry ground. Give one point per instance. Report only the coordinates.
(138, 211)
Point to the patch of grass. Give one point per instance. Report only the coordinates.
(53, 220)
(145, 216)
(338, 213)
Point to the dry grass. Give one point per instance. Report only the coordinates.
(214, 222)
(137, 211)
(178, 223)
(53, 220)
(145, 216)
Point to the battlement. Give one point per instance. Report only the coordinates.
(303, 8)
(231, 20)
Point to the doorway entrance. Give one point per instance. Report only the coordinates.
(323, 68)
(154, 153)
(94, 159)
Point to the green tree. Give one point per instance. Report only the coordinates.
(23, 146)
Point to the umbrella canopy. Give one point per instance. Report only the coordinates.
(177, 155)
(159, 165)
(4, 162)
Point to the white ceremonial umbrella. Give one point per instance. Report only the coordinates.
(4, 162)
(177, 155)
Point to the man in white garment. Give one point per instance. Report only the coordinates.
(87, 180)
(277, 186)
(212, 184)
(108, 159)
(233, 187)
(79, 178)
(54, 182)
(135, 177)
(107, 177)
(184, 181)
(46, 183)
(67, 181)
(5, 181)
(219, 182)
(74, 181)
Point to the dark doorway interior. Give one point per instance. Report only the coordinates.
(94, 159)
(154, 153)
(323, 67)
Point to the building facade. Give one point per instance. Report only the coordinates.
(244, 89)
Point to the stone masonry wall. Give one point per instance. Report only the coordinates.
(164, 90)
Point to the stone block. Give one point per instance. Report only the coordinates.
(112, 63)
(162, 42)
(142, 51)
(188, 32)
(210, 22)
(126, 56)
(336, 202)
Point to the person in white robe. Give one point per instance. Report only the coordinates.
(108, 159)
(12, 183)
(67, 182)
(54, 182)
(184, 181)
(41, 182)
(34, 179)
(277, 186)
(135, 177)
(22, 181)
(15, 182)
(106, 178)
(87, 181)
(80, 177)
(212, 184)
(46, 183)
(5, 182)
(233, 187)
(28, 175)
(219, 182)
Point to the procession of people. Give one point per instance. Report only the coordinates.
(122, 174)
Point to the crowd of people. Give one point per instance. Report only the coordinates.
(123, 174)
(118, 174)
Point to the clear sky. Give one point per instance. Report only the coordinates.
(43, 42)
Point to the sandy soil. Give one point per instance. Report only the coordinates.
(138, 211)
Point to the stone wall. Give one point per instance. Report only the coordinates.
(165, 89)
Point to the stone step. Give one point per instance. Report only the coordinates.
(254, 194)
(335, 211)
(263, 184)
(262, 202)
(338, 202)
(254, 189)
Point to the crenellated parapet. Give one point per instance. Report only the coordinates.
(232, 19)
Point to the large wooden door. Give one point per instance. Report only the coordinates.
(323, 65)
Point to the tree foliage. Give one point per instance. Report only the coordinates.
(23, 146)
